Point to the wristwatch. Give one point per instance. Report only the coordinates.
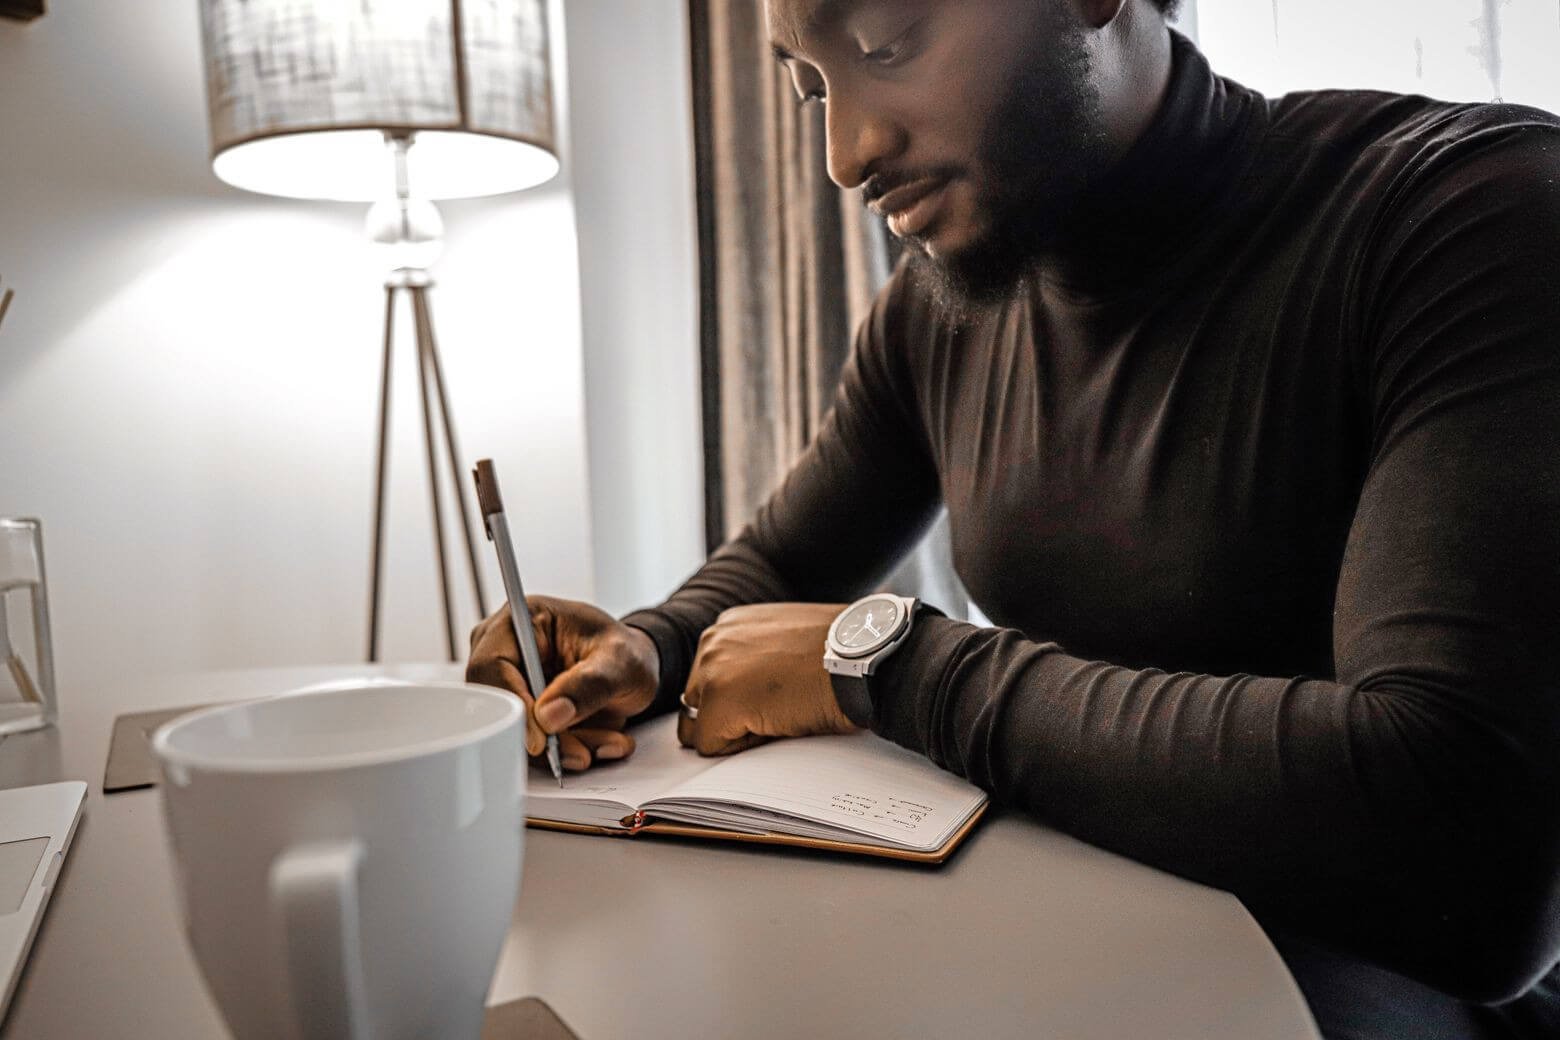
(863, 635)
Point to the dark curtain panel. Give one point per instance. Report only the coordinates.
(789, 265)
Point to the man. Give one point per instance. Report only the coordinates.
(1245, 416)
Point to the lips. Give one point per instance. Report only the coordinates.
(911, 208)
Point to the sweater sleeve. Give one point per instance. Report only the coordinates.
(860, 495)
(1405, 809)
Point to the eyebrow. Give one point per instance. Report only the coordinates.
(825, 15)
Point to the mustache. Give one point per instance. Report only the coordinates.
(880, 184)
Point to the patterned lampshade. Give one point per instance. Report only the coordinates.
(302, 92)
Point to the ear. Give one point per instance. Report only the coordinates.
(1097, 14)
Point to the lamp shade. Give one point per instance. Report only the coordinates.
(302, 92)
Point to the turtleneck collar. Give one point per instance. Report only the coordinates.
(1147, 207)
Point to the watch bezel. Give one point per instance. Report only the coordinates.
(902, 608)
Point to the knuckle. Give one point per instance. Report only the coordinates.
(713, 639)
(702, 676)
(616, 657)
(743, 612)
(549, 604)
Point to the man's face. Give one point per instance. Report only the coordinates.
(970, 125)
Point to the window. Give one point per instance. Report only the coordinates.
(1460, 50)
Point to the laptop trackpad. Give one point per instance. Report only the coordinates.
(18, 864)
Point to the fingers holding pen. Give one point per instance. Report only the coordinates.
(578, 748)
(584, 747)
(494, 663)
(535, 737)
(502, 673)
(602, 673)
(580, 692)
(607, 685)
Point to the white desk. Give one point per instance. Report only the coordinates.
(1025, 932)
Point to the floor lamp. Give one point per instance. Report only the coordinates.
(397, 103)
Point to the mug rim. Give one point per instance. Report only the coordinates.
(166, 753)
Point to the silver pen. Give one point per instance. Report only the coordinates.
(492, 505)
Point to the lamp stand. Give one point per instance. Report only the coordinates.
(415, 283)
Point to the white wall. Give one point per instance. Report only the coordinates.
(188, 374)
(633, 185)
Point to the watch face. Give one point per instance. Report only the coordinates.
(867, 626)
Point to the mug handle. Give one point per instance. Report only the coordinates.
(315, 888)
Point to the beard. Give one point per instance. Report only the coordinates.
(1042, 147)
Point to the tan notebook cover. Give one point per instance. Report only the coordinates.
(858, 794)
(666, 828)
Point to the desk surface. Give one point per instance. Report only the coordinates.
(1024, 932)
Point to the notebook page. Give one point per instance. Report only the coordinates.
(860, 783)
(611, 790)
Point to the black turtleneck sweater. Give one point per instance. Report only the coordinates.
(1259, 479)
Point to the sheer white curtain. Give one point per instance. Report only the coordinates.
(1460, 50)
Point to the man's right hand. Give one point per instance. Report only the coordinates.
(599, 673)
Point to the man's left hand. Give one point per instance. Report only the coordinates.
(759, 674)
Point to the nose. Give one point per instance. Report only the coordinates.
(860, 138)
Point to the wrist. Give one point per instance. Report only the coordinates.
(852, 699)
(863, 637)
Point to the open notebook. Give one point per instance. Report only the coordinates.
(857, 793)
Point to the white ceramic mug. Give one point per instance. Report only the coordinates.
(348, 857)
